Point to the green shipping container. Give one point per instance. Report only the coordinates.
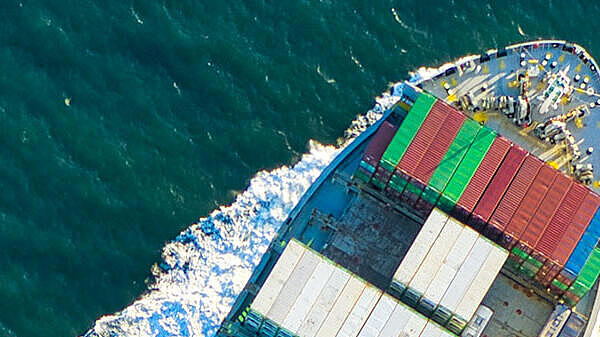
(588, 275)
(465, 171)
(519, 253)
(407, 131)
(459, 147)
(559, 284)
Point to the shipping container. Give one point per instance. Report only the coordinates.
(360, 312)
(482, 177)
(379, 143)
(419, 249)
(588, 275)
(467, 168)
(324, 302)
(342, 307)
(415, 325)
(448, 269)
(292, 287)
(406, 132)
(457, 150)
(378, 317)
(440, 145)
(362, 174)
(498, 185)
(565, 212)
(277, 278)
(463, 279)
(583, 234)
(310, 292)
(478, 288)
(554, 196)
(398, 319)
(432, 262)
(434, 330)
(513, 196)
(423, 139)
(518, 225)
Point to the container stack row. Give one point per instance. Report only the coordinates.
(438, 157)
(447, 271)
(307, 295)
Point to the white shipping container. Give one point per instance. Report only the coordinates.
(438, 252)
(294, 285)
(462, 247)
(278, 276)
(378, 317)
(432, 330)
(308, 296)
(440, 284)
(324, 303)
(397, 321)
(415, 325)
(342, 307)
(482, 282)
(455, 258)
(466, 273)
(360, 312)
(420, 247)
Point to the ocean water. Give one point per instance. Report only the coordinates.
(149, 150)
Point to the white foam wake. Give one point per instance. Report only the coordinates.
(208, 264)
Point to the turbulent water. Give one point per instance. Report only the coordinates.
(124, 122)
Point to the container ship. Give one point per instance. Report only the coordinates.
(470, 208)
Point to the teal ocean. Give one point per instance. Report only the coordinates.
(124, 122)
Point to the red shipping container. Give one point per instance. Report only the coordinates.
(440, 145)
(518, 224)
(554, 196)
(565, 212)
(495, 190)
(379, 143)
(577, 226)
(484, 174)
(423, 139)
(515, 193)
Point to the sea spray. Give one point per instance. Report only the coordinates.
(207, 265)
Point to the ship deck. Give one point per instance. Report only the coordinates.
(494, 72)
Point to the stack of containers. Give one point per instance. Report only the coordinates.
(374, 151)
(440, 158)
(404, 136)
(307, 295)
(447, 271)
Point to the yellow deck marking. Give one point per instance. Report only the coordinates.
(553, 164)
(586, 78)
(540, 86)
(485, 69)
(598, 125)
(596, 183)
(453, 82)
(561, 58)
(480, 117)
(578, 123)
(578, 68)
(443, 83)
(502, 65)
(548, 55)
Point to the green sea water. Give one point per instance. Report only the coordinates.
(175, 105)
